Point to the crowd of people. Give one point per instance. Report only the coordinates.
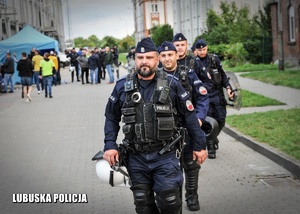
(44, 71)
(90, 67)
(170, 91)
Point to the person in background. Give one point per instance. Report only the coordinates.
(115, 65)
(108, 61)
(102, 71)
(24, 67)
(74, 63)
(8, 68)
(93, 62)
(83, 62)
(47, 71)
(55, 61)
(36, 59)
(58, 77)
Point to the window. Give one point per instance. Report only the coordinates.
(3, 3)
(154, 7)
(291, 24)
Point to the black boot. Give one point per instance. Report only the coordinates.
(191, 186)
(211, 149)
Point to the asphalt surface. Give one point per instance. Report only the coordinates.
(47, 146)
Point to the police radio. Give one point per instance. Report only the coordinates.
(164, 94)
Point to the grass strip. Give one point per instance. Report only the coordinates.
(279, 128)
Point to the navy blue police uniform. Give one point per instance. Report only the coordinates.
(191, 168)
(149, 127)
(210, 71)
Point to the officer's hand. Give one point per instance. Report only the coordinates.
(200, 122)
(112, 156)
(230, 93)
(200, 156)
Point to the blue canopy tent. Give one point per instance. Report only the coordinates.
(24, 41)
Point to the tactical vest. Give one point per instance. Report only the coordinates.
(183, 71)
(148, 126)
(214, 71)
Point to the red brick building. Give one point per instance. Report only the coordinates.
(285, 16)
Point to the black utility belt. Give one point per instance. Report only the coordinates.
(150, 147)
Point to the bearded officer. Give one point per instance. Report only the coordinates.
(210, 71)
(174, 59)
(147, 101)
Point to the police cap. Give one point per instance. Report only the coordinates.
(200, 43)
(166, 46)
(145, 45)
(179, 37)
(193, 48)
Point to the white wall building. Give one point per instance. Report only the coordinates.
(190, 15)
(185, 16)
(43, 15)
(148, 13)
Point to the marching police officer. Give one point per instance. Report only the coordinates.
(191, 168)
(147, 101)
(210, 71)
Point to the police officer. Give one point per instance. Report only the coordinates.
(210, 72)
(191, 169)
(147, 101)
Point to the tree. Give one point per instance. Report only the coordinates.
(109, 41)
(93, 41)
(161, 33)
(234, 26)
(126, 43)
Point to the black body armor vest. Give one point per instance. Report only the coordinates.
(214, 71)
(147, 124)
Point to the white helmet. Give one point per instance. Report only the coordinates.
(110, 176)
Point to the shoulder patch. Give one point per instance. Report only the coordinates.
(189, 105)
(202, 90)
(112, 98)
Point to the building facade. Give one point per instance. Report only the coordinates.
(285, 15)
(190, 15)
(43, 15)
(149, 13)
(185, 16)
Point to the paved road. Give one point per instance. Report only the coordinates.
(47, 146)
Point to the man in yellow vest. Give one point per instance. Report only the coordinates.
(47, 71)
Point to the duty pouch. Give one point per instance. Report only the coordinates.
(128, 131)
(128, 115)
(139, 132)
(216, 76)
(165, 127)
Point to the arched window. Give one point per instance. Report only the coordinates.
(291, 24)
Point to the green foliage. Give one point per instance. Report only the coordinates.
(219, 50)
(109, 41)
(236, 54)
(161, 33)
(80, 42)
(93, 41)
(233, 27)
(126, 43)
